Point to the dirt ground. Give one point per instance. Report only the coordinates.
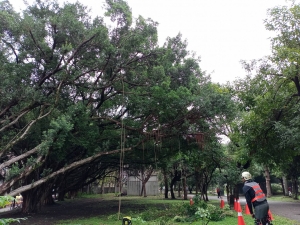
(70, 209)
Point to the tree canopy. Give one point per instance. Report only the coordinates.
(76, 93)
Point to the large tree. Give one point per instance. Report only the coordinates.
(66, 78)
(267, 130)
(76, 94)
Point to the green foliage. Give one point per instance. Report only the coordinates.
(276, 188)
(215, 213)
(179, 219)
(14, 171)
(269, 122)
(31, 161)
(201, 211)
(202, 215)
(138, 220)
(71, 86)
(114, 217)
(119, 11)
(46, 172)
(4, 201)
(198, 203)
(10, 220)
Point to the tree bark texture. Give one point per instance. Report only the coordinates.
(285, 186)
(268, 182)
(166, 183)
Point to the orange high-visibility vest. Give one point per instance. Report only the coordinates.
(259, 194)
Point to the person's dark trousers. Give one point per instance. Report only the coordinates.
(261, 211)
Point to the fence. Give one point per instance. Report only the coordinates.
(135, 188)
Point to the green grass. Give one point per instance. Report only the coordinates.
(156, 208)
(282, 198)
(228, 221)
(248, 220)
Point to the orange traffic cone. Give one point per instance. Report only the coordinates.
(238, 207)
(247, 211)
(270, 215)
(241, 219)
(191, 202)
(222, 203)
(234, 205)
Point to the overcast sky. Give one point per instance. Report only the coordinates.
(221, 32)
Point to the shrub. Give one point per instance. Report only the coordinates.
(138, 220)
(228, 212)
(202, 214)
(4, 200)
(276, 188)
(179, 219)
(216, 214)
(192, 209)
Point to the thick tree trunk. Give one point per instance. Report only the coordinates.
(88, 187)
(204, 192)
(145, 176)
(171, 188)
(268, 182)
(46, 195)
(117, 186)
(285, 186)
(177, 177)
(144, 189)
(143, 183)
(228, 193)
(166, 190)
(184, 188)
(295, 188)
(30, 204)
(236, 193)
(179, 187)
(166, 183)
(49, 200)
(61, 196)
(102, 187)
(72, 194)
(33, 200)
(198, 182)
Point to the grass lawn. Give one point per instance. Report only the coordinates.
(282, 198)
(156, 211)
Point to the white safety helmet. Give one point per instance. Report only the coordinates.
(246, 175)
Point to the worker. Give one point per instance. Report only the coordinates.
(255, 197)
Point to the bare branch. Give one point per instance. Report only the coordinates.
(14, 121)
(4, 188)
(16, 159)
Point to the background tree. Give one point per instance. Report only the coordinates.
(266, 127)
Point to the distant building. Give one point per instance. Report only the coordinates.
(134, 186)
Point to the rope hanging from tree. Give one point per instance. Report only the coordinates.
(122, 153)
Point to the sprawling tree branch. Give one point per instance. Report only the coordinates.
(63, 170)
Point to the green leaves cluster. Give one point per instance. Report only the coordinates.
(4, 201)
